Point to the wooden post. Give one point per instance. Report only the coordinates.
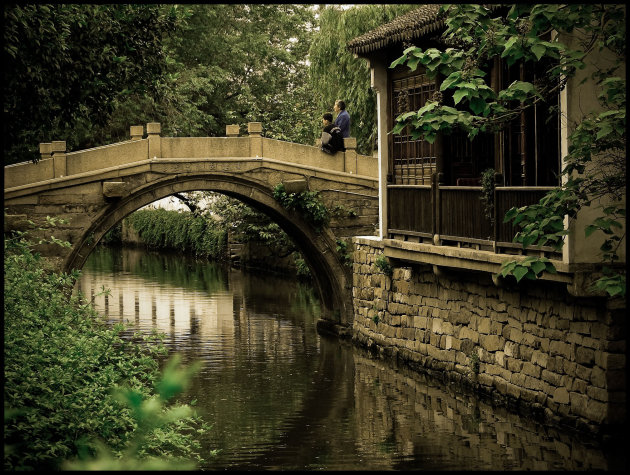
(498, 178)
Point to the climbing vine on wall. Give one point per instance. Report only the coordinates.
(307, 203)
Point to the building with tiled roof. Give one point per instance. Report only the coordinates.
(408, 27)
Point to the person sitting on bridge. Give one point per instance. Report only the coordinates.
(332, 138)
(343, 118)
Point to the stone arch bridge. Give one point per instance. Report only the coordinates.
(94, 189)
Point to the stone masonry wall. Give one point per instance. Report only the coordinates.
(533, 347)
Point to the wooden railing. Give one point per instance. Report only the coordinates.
(456, 215)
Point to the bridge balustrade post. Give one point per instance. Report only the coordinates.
(254, 129)
(58, 149)
(155, 146)
(350, 157)
(136, 132)
(45, 150)
(232, 130)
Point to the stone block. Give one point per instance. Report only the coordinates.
(232, 130)
(467, 346)
(561, 396)
(525, 352)
(499, 357)
(560, 348)
(514, 365)
(539, 358)
(154, 128)
(485, 379)
(467, 333)
(483, 325)
(584, 356)
(580, 327)
(578, 403)
(513, 390)
(491, 342)
(496, 328)
(552, 378)
(436, 326)
(511, 349)
(531, 369)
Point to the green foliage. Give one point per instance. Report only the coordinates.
(232, 64)
(487, 192)
(63, 370)
(181, 231)
(247, 224)
(375, 319)
(302, 267)
(342, 250)
(478, 35)
(382, 264)
(67, 65)
(529, 268)
(113, 236)
(336, 74)
(306, 203)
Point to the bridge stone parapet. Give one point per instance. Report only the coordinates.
(92, 190)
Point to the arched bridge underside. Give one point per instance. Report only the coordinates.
(91, 203)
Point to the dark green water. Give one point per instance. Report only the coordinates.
(281, 396)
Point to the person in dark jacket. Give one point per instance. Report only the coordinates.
(332, 138)
(343, 118)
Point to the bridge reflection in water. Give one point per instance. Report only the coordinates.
(280, 396)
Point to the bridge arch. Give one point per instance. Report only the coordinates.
(332, 278)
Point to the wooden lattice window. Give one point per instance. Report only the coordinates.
(411, 161)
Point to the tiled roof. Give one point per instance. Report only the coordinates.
(411, 25)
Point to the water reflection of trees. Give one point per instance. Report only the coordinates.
(255, 334)
(160, 267)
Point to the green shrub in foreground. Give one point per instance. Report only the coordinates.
(74, 388)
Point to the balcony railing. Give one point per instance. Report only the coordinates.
(455, 215)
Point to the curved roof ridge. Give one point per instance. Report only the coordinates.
(416, 23)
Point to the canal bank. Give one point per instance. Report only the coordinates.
(534, 348)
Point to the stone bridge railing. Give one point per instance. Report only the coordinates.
(56, 163)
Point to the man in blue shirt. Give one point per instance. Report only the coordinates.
(343, 119)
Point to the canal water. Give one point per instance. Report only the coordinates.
(280, 396)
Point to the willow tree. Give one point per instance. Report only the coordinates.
(564, 38)
(336, 74)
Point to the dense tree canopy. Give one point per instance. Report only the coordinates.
(65, 66)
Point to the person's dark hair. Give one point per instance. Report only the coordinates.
(327, 116)
(342, 105)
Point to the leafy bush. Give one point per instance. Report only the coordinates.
(306, 203)
(64, 373)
